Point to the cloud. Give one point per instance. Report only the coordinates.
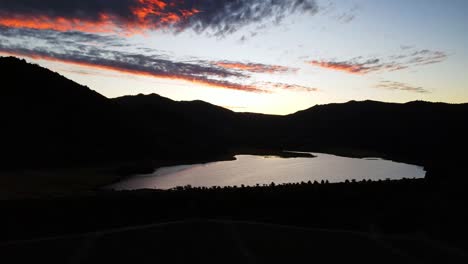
(56, 38)
(347, 66)
(139, 65)
(109, 53)
(113, 53)
(405, 47)
(218, 17)
(340, 12)
(254, 67)
(346, 18)
(128, 16)
(398, 86)
(360, 65)
(287, 86)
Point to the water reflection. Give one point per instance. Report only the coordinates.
(252, 170)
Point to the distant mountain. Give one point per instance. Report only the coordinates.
(384, 127)
(171, 114)
(48, 120)
(179, 129)
(430, 134)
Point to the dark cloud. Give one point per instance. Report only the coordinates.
(63, 38)
(86, 9)
(346, 18)
(360, 65)
(228, 16)
(405, 47)
(217, 17)
(398, 86)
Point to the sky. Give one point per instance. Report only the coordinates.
(265, 56)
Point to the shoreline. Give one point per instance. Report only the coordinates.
(72, 181)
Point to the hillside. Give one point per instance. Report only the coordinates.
(49, 120)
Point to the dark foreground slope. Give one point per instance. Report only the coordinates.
(406, 221)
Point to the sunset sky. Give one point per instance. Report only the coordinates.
(267, 56)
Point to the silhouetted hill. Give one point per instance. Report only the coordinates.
(189, 130)
(371, 124)
(51, 121)
(171, 112)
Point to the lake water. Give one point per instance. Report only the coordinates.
(252, 170)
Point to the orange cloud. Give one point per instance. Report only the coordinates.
(216, 17)
(360, 65)
(102, 25)
(342, 66)
(144, 15)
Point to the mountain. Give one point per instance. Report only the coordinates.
(48, 120)
(167, 118)
(416, 130)
(188, 130)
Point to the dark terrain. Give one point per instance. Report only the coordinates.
(405, 221)
(60, 141)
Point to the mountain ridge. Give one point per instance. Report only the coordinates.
(51, 121)
(15, 61)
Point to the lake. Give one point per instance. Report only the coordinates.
(251, 170)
